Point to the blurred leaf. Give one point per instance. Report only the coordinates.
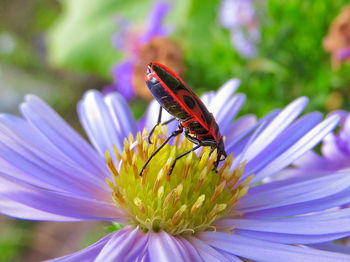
(114, 227)
(266, 66)
(81, 38)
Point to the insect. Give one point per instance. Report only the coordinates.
(180, 101)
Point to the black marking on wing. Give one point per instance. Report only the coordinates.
(197, 128)
(206, 116)
(189, 101)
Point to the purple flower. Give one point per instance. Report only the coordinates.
(344, 53)
(140, 46)
(239, 16)
(48, 172)
(335, 151)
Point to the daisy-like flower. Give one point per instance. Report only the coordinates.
(335, 151)
(48, 172)
(141, 45)
(239, 16)
(337, 41)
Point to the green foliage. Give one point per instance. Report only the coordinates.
(81, 39)
(114, 227)
(291, 61)
(14, 239)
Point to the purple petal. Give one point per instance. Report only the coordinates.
(340, 199)
(331, 222)
(230, 111)
(344, 53)
(342, 114)
(265, 250)
(222, 96)
(332, 151)
(207, 252)
(279, 198)
(119, 39)
(311, 160)
(236, 13)
(61, 205)
(332, 247)
(87, 254)
(192, 252)
(122, 74)
(207, 99)
(60, 134)
(305, 143)
(239, 143)
(98, 122)
(280, 144)
(154, 22)
(126, 245)
(164, 247)
(29, 156)
(121, 114)
(18, 210)
(242, 43)
(290, 238)
(239, 126)
(276, 127)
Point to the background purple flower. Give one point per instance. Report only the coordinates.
(140, 46)
(239, 16)
(48, 172)
(335, 151)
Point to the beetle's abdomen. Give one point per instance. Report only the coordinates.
(167, 101)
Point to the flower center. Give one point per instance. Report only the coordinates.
(187, 201)
(162, 50)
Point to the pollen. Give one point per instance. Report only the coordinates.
(186, 202)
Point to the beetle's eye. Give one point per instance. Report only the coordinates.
(148, 70)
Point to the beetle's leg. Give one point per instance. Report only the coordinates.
(158, 122)
(179, 156)
(192, 139)
(211, 150)
(168, 121)
(175, 133)
(164, 123)
(210, 143)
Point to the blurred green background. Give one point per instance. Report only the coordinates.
(59, 49)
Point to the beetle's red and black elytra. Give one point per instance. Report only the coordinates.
(180, 101)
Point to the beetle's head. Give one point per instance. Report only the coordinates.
(157, 72)
(221, 152)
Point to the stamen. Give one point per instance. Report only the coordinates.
(134, 167)
(131, 138)
(178, 192)
(187, 165)
(110, 164)
(217, 209)
(160, 177)
(167, 199)
(186, 202)
(127, 151)
(201, 179)
(139, 204)
(177, 216)
(197, 204)
(218, 190)
(116, 153)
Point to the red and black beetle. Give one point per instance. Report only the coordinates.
(180, 101)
